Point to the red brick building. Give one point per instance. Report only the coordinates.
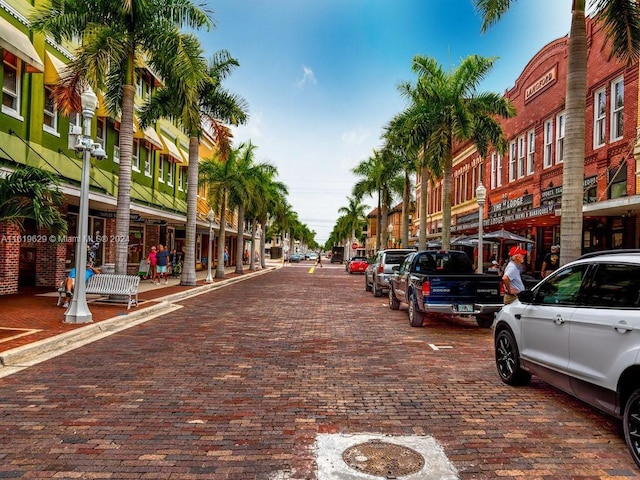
(524, 186)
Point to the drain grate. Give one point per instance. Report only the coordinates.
(384, 459)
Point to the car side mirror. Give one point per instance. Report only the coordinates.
(526, 296)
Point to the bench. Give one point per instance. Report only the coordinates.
(110, 284)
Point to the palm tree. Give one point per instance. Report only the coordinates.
(621, 20)
(354, 218)
(116, 36)
(31, 193)
(273, 193)
(445, 108)
(380, 175)
(207, 106)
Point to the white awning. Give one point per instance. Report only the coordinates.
(152, 137)
(18, 43)
(171, 149)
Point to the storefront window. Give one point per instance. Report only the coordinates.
(136, 245)
(618, 182)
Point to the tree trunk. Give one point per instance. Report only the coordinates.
(447, 183)
(406, 199)
(221, 237)
(189, 262)
(378, 233)
(240, 240)
(123, 208)
(422, 241)
(573, 168)
(252, 250)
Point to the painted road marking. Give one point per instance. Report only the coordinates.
(439, 347)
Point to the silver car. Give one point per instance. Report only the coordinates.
(579, 330)
(377, 275)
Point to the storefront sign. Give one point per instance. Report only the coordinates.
(541, 84)
(557, 191)
(513, 204)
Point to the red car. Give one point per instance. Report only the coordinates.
(357, 265)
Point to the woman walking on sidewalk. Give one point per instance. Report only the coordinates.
(152, 261)
(162, 258)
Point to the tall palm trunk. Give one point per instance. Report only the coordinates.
(252, 250)
(573, 169)
(240, 240)
(447, 184)
(406, 197)
(188, 276)
(123, 208)
(422, 241)
(221, 237)
(379, 232)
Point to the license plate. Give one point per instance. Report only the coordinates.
(464, 308)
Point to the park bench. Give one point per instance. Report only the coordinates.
(110, 284)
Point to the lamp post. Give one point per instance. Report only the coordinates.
(481, 194)
(78, 311)
(210, 217)
(390, 231)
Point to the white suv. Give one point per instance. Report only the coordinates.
(579, 330)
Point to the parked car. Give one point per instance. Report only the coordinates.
(295, 258)
(579, 330)
(313, 256)
(382, 267)
(440, 281)
(357, 265)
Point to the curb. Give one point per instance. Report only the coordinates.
(25, 356)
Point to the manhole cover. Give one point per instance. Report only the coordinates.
(383, 459)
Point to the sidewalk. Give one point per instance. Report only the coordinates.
(32, 315)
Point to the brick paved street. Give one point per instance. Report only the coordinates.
(238, 383)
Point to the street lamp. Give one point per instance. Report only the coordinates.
(78, 311)
(210, 217)
(481, 194)
(390, 230)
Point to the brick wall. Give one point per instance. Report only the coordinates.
(9, 258)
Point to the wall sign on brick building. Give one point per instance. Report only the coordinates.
(545, 81)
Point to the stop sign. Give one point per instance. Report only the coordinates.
(354, 246)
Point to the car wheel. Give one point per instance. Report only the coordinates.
(632, 425)
(508, 360)
(367, 287)
(394, 303)
(376, 289)
(416, 317)
(485, 320)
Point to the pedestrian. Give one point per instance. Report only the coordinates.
(511, 279)
(494, 268)
(226, 256)
(162, 257)
(551, 261)
(319, 260)
(152, 262)
(69, 282)
(173, 261)
(246, 256)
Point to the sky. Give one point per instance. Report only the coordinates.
(321, 77)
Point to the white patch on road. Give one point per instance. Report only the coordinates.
(439, 347)
(331, 466)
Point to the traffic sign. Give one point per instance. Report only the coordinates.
(354, 246)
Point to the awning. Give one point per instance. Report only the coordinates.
(18, 43)
(185, 156)
(152, 137)
(171, 149)
(53, 66)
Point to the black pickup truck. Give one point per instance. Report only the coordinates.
(444, 282)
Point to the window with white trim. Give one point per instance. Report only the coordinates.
(560, 131)
(499, 171)
(513, 154)
(101, 131)
(617, 109)
(531, 151)
(10, 84)
(599, 117)
(50, 122)
(548, 143)
(521, 156)
(170, 167)
(147, 161)
(494, 170)
(163, 159)
(181, 179)
(135, 155)
(116, 146)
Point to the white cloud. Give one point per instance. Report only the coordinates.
(307, 77)
(354, 137)
(251, 131)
